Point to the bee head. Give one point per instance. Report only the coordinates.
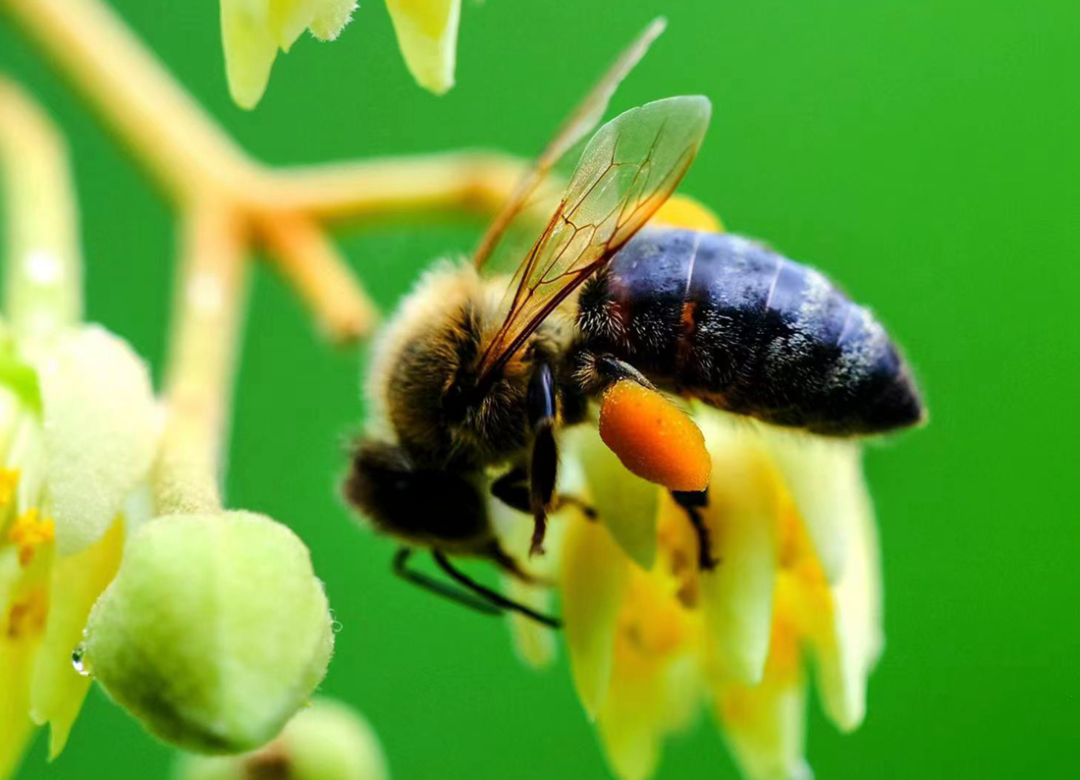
(434, 507)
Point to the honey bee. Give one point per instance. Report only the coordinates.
(474, 376)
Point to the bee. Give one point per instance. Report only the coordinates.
(475, 375)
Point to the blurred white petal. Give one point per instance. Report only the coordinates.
(427, 35)
(824, 477)
(737, 595)
(626, 504)
(594, 575)
(101, 430)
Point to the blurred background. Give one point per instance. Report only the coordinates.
(924, 153)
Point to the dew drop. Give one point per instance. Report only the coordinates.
(78, 660)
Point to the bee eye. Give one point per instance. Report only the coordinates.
(455, 402)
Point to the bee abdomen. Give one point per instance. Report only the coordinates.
(728, 321)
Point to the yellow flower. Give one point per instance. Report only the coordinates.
(427, 35)
(254, 30)
(652, 637)
(78, 433)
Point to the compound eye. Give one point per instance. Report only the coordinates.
(455, 402)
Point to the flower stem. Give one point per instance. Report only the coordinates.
(207, 315)
(160, 121)
(193, 159)
(308, 259)
(43, 266)
(459, 181)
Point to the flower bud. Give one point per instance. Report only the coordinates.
(328, 741)
(214, 632)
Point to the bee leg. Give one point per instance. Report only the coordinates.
(561, 500)
(401, 569)
(512, 488)
(692, 502)
(595, 372)
(544, 458)
(495, 598)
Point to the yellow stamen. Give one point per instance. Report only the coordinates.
(9, 480)
(27, 616)
(28, 533)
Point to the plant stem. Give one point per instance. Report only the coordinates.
(460, 181)
(43, 268)
(207, 316)
(160, 121)
(193, 159)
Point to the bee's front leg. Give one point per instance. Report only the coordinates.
(512, 488)
(541, 405)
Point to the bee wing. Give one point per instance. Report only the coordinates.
(627, 171)
(580, 123)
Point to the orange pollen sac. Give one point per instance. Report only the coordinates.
(654, 438)
(28, 532)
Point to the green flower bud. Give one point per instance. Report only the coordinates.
(329, 741)
(214, 632)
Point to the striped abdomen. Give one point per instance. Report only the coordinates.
(722, 319)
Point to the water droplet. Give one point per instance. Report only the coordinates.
(78, 660)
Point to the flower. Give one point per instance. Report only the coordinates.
(78, 434)
(78, 424)
(652, 637)
(214, 632)
(254, 30)
(427, 33)
(326, 741)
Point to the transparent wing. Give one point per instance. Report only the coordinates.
(579, 124)
(630, 167)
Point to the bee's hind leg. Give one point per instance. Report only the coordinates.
(471, 594)
(441, 589)
(693, 502)
(494, 598)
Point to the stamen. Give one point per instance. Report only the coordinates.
(9, 480)
(27, 617)
(28, 533)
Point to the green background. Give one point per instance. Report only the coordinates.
(924, 153)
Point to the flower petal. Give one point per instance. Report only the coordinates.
(57, 691)
(737, 595)
(594, 577)
(16, 659)
(23, 602)
(101, 426)
(626, 504)
(765, 724)
(427, 36)
(289, 18)
(825, 480)
(847, 647)
(250, 48)
(642, 709)
(331, 17)
(535, 643)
